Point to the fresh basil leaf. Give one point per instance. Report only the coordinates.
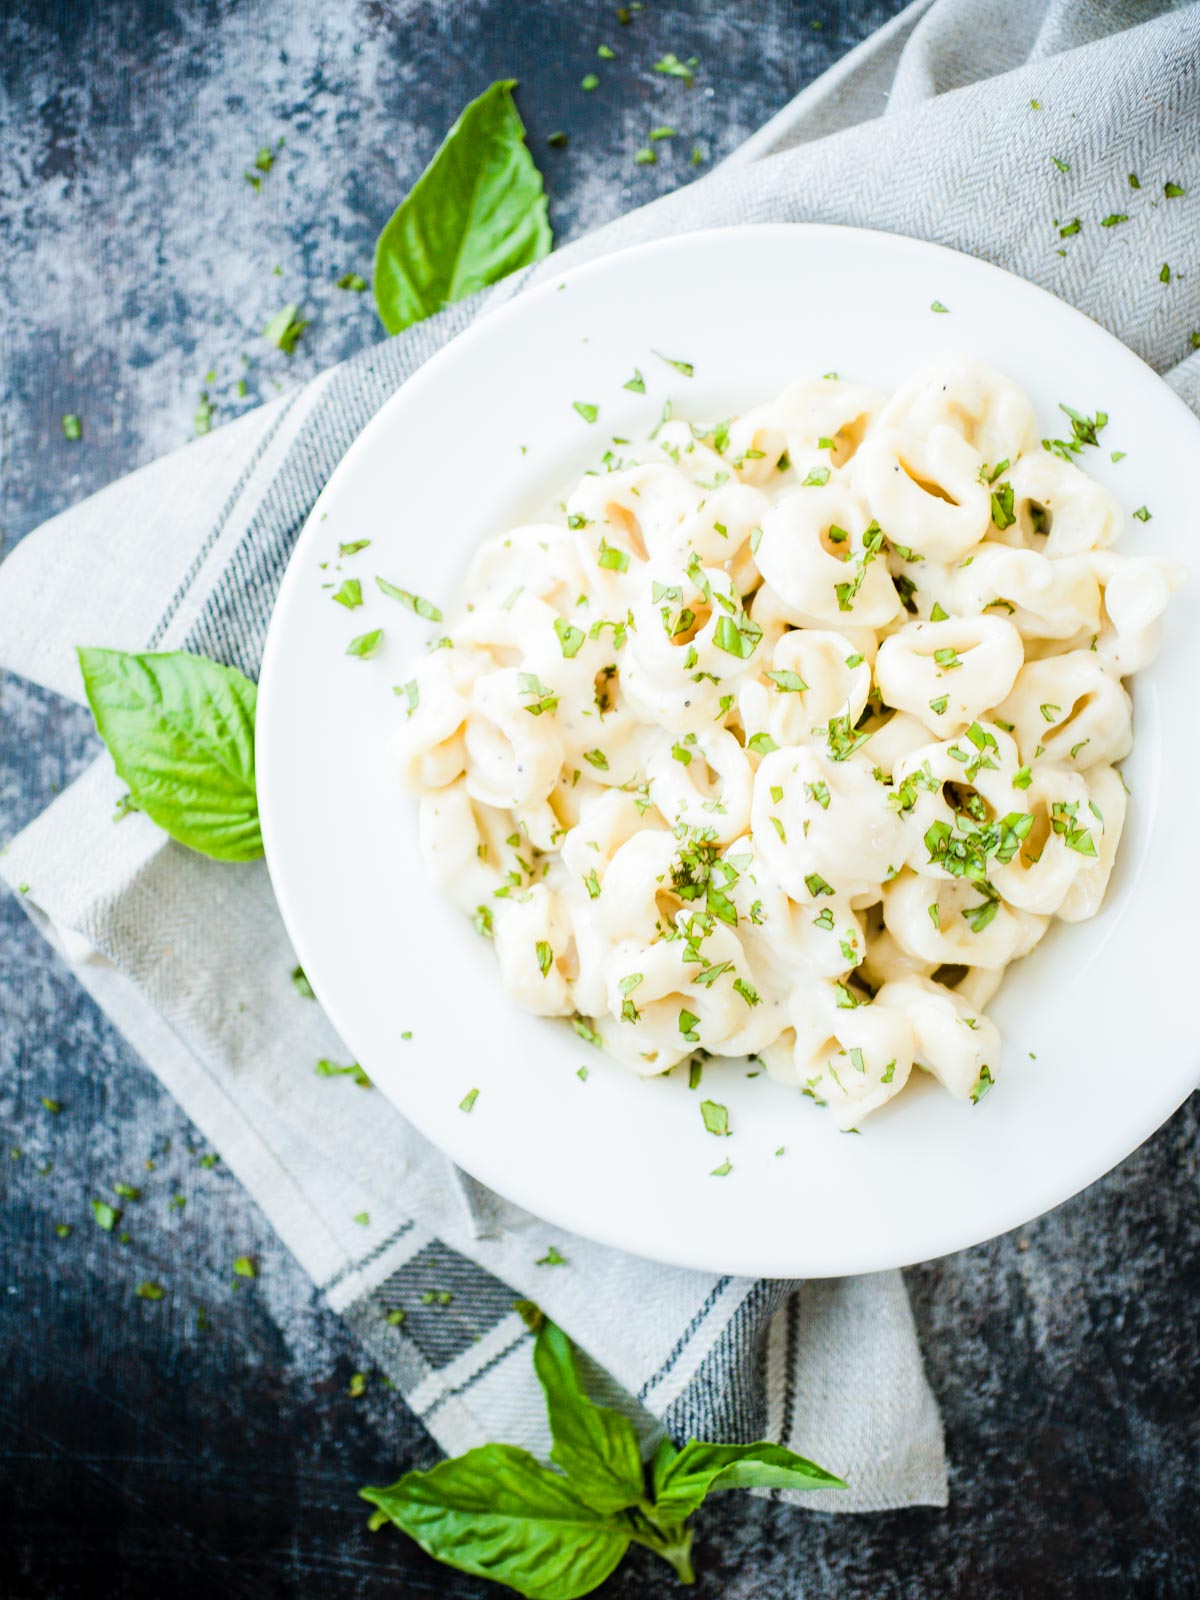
(497, 1513)
(595, 1446)
(475, 214)
(180, 730)
(682, 1481)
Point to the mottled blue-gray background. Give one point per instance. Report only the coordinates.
(143, 1453)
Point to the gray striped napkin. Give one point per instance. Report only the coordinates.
(927, 129)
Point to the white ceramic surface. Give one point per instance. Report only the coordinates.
(1099, 1027)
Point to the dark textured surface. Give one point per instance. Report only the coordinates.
(143, 1453)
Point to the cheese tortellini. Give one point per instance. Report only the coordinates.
(790, 733)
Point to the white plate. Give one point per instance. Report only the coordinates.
(1099, 1026)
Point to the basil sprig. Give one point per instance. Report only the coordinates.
(499, 1513)
(180, 730)
(475, 214)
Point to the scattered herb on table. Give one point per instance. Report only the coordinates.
(554, 1533)
(333, 1069)
(106, 1216)
(72, 427)
(284, 329)
(474, 215)
(353, 281)
(671, 67)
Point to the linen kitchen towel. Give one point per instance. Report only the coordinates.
(943, 126)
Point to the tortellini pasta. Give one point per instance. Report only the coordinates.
(792, 732)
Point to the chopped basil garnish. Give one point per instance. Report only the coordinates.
(365, 645)
(611, 559)
(737, 636)
(570, 638)
(787, 682)
(747, 991)
(716, 1116)
(414, 602)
